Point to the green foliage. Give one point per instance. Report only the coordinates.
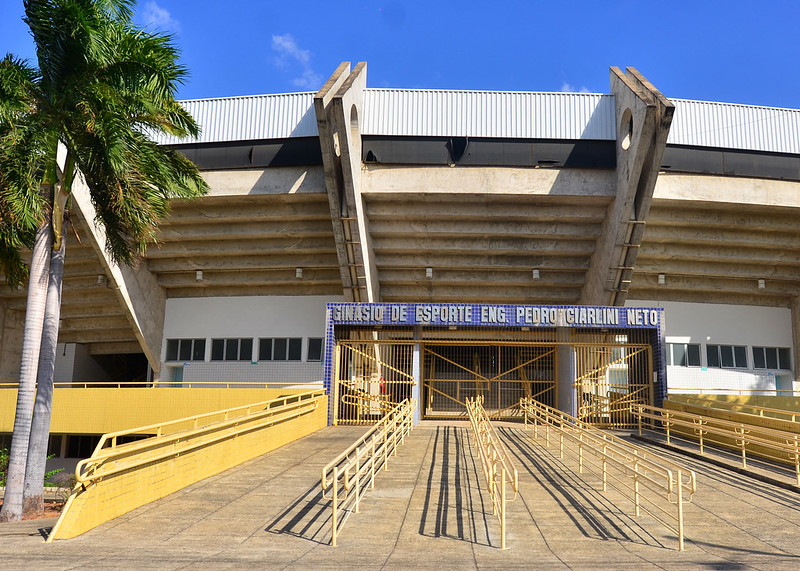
(100, 87)
(3, 466)
(50, 474)
(4, 470)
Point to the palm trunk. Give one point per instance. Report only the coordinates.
(32, 338)
(33, 489)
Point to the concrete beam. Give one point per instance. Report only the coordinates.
(488, 181)
(644, 117)
(339, 109)
(470, 208)
(139, 295)
(248, 262)
(251, 290)
(731, 189)
(660, 294)
(483, 261)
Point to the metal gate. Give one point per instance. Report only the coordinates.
(500, 373)
(609, 378)
(371, 378)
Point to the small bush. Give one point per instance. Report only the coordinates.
(3, 466)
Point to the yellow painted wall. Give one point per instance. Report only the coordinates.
(146, 481)
(102, 410)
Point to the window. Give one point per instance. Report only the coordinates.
(231, 349)
(314, 349)
(683, 354)
(772, 358)
(186, 349)
(280, 349)
(727, 356)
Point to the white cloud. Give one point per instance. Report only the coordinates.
(290, 54)
(154, 16)
(567, 88)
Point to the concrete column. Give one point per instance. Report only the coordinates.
(142, 299)
(566, 373)
(12, 324)
(644, 117)
(796, 340)
(416, 371)
(339, 107)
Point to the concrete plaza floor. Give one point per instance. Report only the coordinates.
(428, 511)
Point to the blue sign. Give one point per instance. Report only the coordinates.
(447, 314)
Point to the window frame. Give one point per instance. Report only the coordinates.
(195, 344)
(721, 352)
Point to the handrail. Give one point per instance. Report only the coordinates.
(731, 406)
(786, 444)
(498, 470)
(729, 390)
(345, 478)
(171, 385)
(622, 465)
(119, 457)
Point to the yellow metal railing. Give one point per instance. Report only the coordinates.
(498, 470)
(121, 476)
(656, 485)
(744, 408)
(779, 445)
(732, 391)
(346, 477)
(170, 384)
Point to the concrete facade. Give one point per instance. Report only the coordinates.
(448, 217)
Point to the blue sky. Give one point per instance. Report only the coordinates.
(732, 51)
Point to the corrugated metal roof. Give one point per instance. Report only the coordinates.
(250, 118)
(525, 115)
(733, 126)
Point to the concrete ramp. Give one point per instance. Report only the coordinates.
(428, 511)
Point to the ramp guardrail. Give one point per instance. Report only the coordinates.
(656, 485)
(778, 445)
(346, 477)
(498, 470)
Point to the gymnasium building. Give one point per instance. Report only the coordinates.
(588, 250)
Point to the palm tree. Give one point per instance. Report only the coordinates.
(100, 87)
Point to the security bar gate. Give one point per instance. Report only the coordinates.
(500, 374)
(609, 379)
(608, 374)
(372, 378)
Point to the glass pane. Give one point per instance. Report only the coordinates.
(314, 349)
(172, 349)
(199, 350)
(772, 357)
(679, 355)
(740, 356)
(693, 355)
(246, 350)
(279, 352)
(185, 350)
(726, 355)
(295, 349)
(265, 349)
(712, 355)
(217, 349)
(784, 358)
(758, 358)
(231, 349)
